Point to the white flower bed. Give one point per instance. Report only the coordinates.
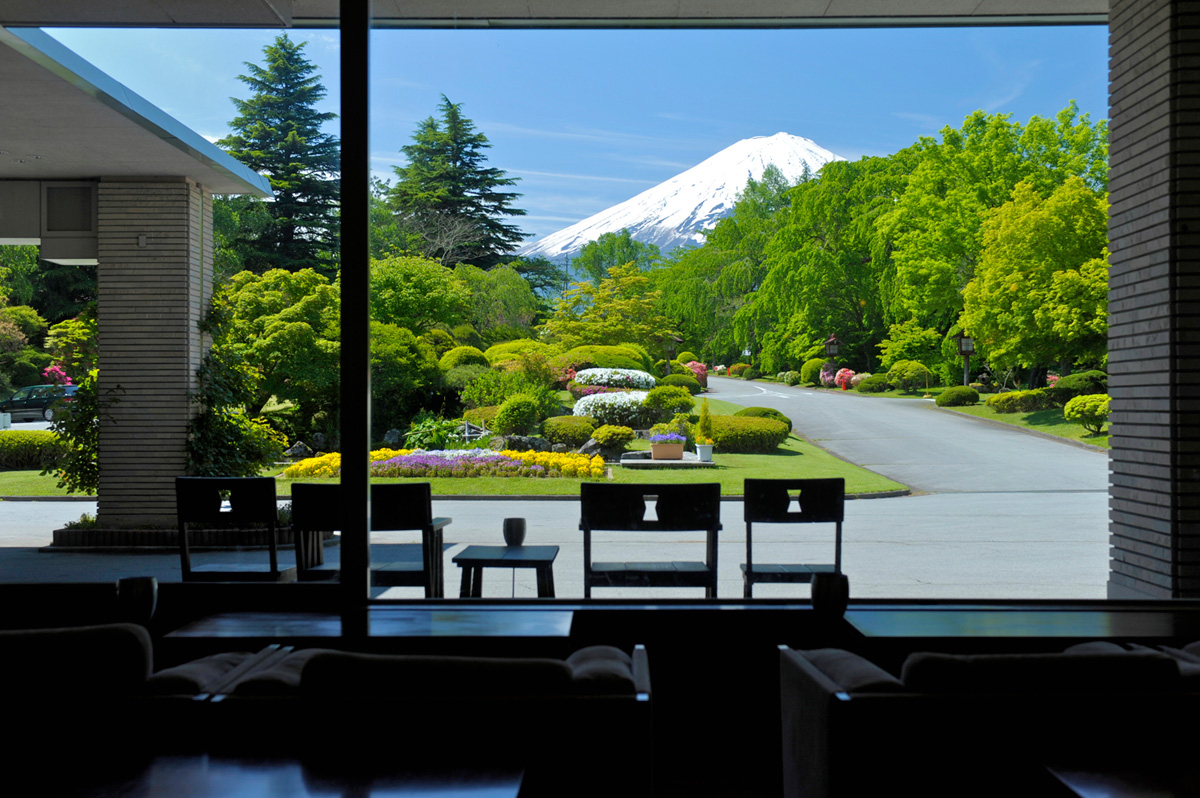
(616, 378)
(622, 409)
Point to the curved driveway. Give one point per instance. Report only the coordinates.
(932, 451)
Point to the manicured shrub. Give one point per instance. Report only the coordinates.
(625, 379)
(512, 350)
(482, 416)
(1083, 383)
(829, 372)
(462, 356)
(467, 335)
(572, 431)
(791, 378)
(843, 379)
(1090, 411)
(764, 412)
(875, 383)
(29, 449)
(517, 416)
(665, 401)
(704, 424)
(439, 340)
(460, 376)
(810, 372)
(609, 357)
(909, 375)
(1021, 401)
(685, 356)
(624, 409)
(857, 379)
(700, 371)
(682, 381)
(958, 396)
(661, 368)
(641, 352)
(734, 434)
(737, 368)
(751, 374)
(612, 436)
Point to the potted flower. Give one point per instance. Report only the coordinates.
(667, 446)
(704, 447)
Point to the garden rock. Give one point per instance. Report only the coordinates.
(593, 448)
(299, 451)
(393, 437)
(560, 448)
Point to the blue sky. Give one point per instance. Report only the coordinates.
(587, 119)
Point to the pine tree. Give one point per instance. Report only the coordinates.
(277, 133)
(450, 198)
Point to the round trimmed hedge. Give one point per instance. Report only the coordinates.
(765, 412)
(810, 372)
(518, 415)
(747, 435)
(875, 383)
(909, 375)
(572, 431)
(1089, 411)
(27, 449)
(682, 381)
(611, 436)
(512, 350)
(958, 396)
(482, 416)
(462, 356)
(663, 402)
(1021, 401)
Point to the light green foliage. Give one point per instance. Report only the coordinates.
(958, 396)
(28, 449)
(620, 308)
(1040, 293)
(909, 375)
(72, 343)
(449, 197)
(493, 387)
(611, 436)
(28, 321)
(462, 356)
(664, 401)
(461, 376)
(908, 340)
(1021, 401)
(876, 383)
(685, 357)
(511, 350)
(680, 424)
(440, 340)
(416, 293)
(642, 352)
(431, 431)
(605, 357)
(810, 372)
(704, 424)
(571, 431)
(277, 133)
(734, 434)
(500, 299)
(518, 415)
(599, 257)
(1089, 411)
(404, 374)
(765, 412)
(686, 381)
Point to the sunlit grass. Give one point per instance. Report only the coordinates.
(1050, 422)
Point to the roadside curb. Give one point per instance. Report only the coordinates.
(1001, 425)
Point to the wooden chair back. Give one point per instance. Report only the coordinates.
(623, 507)
(795, 501)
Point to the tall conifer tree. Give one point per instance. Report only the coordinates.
(448, 196)
(277, 133)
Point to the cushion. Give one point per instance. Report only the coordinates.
(1107, 672)
(108, 659)
(339, 673)
(282, 678)
(203, 675)
(852, 672)
(601, 670)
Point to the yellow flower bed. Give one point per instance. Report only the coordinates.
(569, 464)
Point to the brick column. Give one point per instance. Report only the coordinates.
(155, 281)
(1154, 284)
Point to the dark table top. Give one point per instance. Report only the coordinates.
(434, 621)
(506, 556)
(1045, 622)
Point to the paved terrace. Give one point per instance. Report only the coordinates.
(999, 514)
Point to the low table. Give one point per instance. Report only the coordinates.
(473, 559)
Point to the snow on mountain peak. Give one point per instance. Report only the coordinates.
(674, 212)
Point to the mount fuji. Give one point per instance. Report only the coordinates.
(674, 212)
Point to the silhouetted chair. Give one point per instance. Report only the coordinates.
(768, 501)
(251, 514)
(678, 508)
(317, 508)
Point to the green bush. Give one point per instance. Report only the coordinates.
(958, 396)
(512, 350)
(438, 340)
(686, 357)
(642, 353)
(22, 450)
(680, 424)
(1083, 383)
(610, 436)
(751, 374)
(462, 356)
(664, 401)
(1021, 401)
(661, 368)
(682, 381)
(517, 416)
(764, 412)
(791, 378)
(909, 375)
(572, 431)
(737, 368)
(609, 357)
(482, 416)
(467, 335)
(460, 377)
(876, 383)
(1090, 411)
(810, 372)
(733, 434)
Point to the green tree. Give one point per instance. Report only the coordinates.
(613, 249)
(277, 132)
(1039, 296)
(448, 196)
(405, 377)
(622, 307)
(416, 293)
(501, 301)
(239, 224)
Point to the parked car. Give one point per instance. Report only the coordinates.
(36, 402)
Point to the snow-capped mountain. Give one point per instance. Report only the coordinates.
(674, 212)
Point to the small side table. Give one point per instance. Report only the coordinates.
(473, 559)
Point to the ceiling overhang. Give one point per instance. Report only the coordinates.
(64, 119)
(555, 13)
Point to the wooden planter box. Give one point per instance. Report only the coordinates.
(666, 451)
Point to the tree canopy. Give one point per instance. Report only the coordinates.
(416, 293)
(621, 307)
(277, 132)
(449, 198)
(613, 249)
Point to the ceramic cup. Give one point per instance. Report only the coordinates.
(514, 531)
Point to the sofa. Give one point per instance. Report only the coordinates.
(974, 724)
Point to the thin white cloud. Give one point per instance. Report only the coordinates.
(569, 176)
(928, 121)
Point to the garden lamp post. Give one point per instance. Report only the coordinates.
(966, 348)
(832, 344)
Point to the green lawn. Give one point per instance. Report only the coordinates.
(29, 483)
(1050, 422)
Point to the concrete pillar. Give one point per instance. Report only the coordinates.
(1154, 285)
(155, 282)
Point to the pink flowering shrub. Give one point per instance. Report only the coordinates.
(843, 379)
(701, 372)
(828, 374)
(55, 375)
